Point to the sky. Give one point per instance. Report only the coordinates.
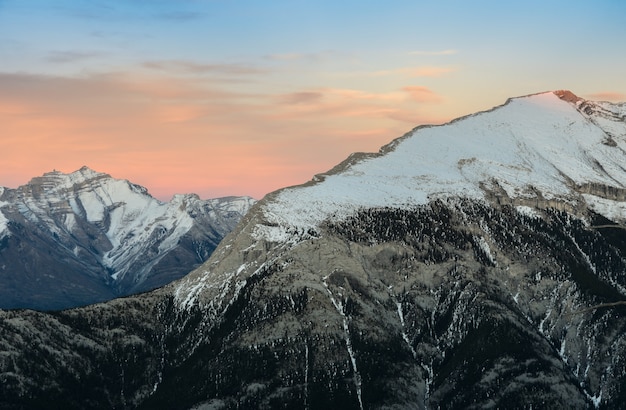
(228, 97)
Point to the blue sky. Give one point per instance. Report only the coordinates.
(233, 97)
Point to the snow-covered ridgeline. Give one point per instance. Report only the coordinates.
(535, 145)
(129, 218)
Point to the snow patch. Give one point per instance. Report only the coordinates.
(190, 288)
(69, 222)
(613, 210)
(595, 400)
(4, 222)
(340, 309)
(191, 292)
(584, 255)
(527, 211)
(405, 337)
(543, 321)
(484, 246)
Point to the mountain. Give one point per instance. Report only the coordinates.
(477, 264)
(73, 239)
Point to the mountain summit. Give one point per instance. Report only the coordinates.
(470, 265)
(549, 147)
(84, 237)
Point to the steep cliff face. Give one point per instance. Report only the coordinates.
(488, 271)
(84, 237)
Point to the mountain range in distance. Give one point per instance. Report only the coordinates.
(476, 264)
(69, 240)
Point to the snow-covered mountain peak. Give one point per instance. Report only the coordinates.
(85, 173)
(56, 183)
(553, 146)
(58, 178)
(117, 226)
(181, 198)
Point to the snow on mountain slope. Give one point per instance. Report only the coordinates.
(113, 229)
(552, 147)
(127, 214)
(535, 145)
(3, 220)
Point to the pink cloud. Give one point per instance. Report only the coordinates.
(308, 57)
(430, 71)
(301, 97)
(426, 71)
(192, 67)
(607, 96)
(422, 94)
(349, 103)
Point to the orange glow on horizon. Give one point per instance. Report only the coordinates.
(180, 135)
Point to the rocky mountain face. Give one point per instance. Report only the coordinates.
(68, 240)
(479, 264)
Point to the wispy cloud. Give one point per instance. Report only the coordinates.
(286, 56)
(301, 97)
(422, 94)
(424, 71)
(341, 103)
(430, 71)
(607, 96)
(318, 56)
(433, 53)
(136, 10)
(192, 67)
(70, 56)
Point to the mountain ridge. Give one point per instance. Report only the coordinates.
(565, 95)
(113, 230)
(470, 161)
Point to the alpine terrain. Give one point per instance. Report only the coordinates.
(478, 264)
(68, 240)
